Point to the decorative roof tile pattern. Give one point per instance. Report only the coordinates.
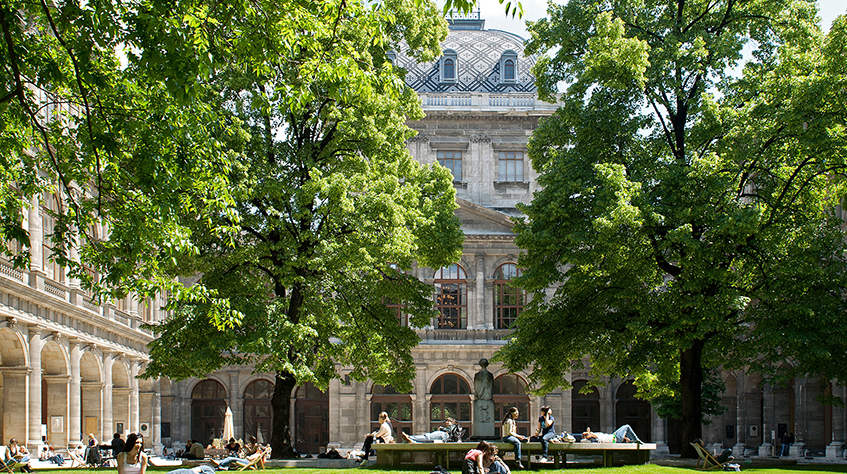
(478, 59)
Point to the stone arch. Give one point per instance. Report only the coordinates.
(311, 422)
(208, 408)
(91, 389)
(14, 351)
(258, 412)
(585, 408)
(450, 396)
(449, 370)
(54, 388)
(633, 411)
(510, 391)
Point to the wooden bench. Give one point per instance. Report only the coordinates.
(392, 454)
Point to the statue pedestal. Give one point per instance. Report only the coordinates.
(483, 419)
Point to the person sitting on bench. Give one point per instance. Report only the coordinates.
(450, 432)
(624, 434)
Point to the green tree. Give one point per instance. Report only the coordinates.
(687, 217)
(330, 207)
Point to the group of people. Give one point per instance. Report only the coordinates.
(485, 454)
(15, 455)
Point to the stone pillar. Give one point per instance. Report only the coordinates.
(237, 413)
(156, 407)
(740, 423)
(479, 308)
(36, 238)
(15, 401)
(483, 403)
(106, 420)
(75, 396)
(134, 422)
(659, 436)
(767, 447)
(57, 398)
(34, 428)
(801, 396)
(835, 449)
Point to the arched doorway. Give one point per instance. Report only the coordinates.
(585, 408)
(208, 408)
(258, 411)
(385, 398)
(510, 391)
(633, 412)
(311, 429)
(451, 396)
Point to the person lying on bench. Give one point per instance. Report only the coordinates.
(450, 432)
(624, 434)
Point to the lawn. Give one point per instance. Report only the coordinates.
(642, 469)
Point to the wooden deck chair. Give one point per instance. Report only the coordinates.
(258, 460)
(9, 465)
(76, 459)
(709, 461)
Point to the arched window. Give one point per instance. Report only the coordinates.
(510, 391)
(385, 398)
(451, 396)
(258, 412)
(585, 408)
(509, 70)
(509, 301)
(208, 408)
(509, 67)
(451, 298)
(311, 408)
(633, 411)
(449, 66)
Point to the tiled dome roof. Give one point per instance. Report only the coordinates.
(479, 55)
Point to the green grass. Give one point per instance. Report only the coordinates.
(642, 469)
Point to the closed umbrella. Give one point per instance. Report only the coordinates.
(229, 431)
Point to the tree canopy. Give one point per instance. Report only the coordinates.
(690, 210)
(330, 209)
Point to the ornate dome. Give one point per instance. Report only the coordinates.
(474, 60)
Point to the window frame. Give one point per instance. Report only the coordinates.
(460, 293)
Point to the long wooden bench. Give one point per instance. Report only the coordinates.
(392, 454)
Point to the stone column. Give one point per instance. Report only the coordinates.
(75, 395)
(134, 422)
(801, 396)
(157, 417)
(479, 308)
(34, 428)
(106, 420)
(15, 400)
(835, 449)
(740, 406)
(767, 447)
(659, 436)
(57, 396)
(36, 237)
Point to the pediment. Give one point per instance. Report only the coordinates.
(478, 219)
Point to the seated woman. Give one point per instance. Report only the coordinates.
(133, 459)
(624, 434)
(20, 454)
(545, 431)
(510, 434)
(449, 432)
(494, 464)
(474, 462)
(53, 457)
(726, 454)
(382, 435)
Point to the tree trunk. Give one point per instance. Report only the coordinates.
(691, 386)
(281, 405)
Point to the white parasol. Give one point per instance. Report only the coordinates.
(229, 432)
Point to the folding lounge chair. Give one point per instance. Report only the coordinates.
(12, 463)
(76, 459)
(709, 461)
(256, 461)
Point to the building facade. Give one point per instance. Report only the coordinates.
(69, 366)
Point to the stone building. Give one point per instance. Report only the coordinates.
(68, 366)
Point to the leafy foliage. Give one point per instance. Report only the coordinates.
(687, 217)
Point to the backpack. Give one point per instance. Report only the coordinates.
(439, 470)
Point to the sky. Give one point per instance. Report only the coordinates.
(495, 18)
